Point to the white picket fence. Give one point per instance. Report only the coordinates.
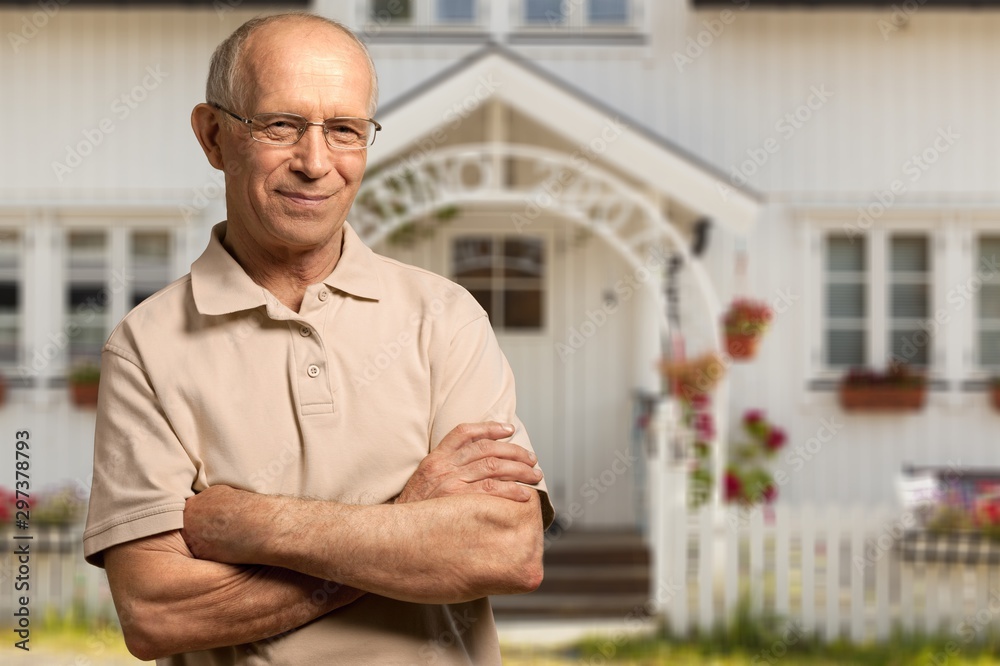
(835, 572)
(60, 584)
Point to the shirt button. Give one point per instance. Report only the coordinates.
(305, 332)
(313, 371)
(323, 295)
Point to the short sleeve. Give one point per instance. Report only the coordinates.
(473, 383)
(142, 474)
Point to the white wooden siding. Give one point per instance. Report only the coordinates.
(890, 96)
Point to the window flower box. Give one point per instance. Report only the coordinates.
(896, 389)
(84, 381)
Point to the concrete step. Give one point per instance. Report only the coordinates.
(588, 574)
(596, 579)
(618, 606)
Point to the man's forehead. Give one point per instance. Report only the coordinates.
(290, 60)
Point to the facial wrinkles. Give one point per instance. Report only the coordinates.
(280, 79)
(321, 81)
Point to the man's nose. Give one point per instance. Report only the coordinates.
(314, 156)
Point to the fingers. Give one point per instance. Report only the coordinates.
(504, 489)
(465, 433)
(487, 448)
(500, 470)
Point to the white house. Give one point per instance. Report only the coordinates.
(551, 156)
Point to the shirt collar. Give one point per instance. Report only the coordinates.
(356, 272)
(221, 286)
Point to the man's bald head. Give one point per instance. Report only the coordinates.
(228, 81)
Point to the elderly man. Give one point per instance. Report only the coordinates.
(254, 501)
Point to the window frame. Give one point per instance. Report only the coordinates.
(119, 277)
(577, 20)
(424, 19)
(972, 367)
(20, 277)
(506, 23)
(877, 316)
(498, 236)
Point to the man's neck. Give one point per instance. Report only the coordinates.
(285, 275)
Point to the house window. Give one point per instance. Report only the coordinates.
(579, 15)
(392, 11)
(456, 11)
(548, 12)
(988, 307)
(506, 276)
(909, 298)
(608, 12)
(422, 14)
(150, 264)
(102, 285)
(877, 299)
(10, 295)
(87, 295)
(846, 301)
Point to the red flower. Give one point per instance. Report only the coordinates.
(704, 426)
(734, 487)
(991, 512)
(753, 417)
(776, 439)
(699, 401)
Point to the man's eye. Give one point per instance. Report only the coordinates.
(345, 130)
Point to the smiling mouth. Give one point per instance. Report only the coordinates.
(304, 199)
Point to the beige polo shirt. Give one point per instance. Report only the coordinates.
(213, 381)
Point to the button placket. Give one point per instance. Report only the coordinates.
(310, 362)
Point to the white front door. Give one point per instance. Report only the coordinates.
(538, 288)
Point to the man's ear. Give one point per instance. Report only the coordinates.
(205, 123)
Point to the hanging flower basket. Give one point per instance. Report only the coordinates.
(745, 323)
(742, 346)
(695, 376)
(897, 389)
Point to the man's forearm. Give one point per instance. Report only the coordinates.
(169, 602)
(442, 550)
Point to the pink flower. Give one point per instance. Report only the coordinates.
(699, 401)
(704, 426)
(776, 439)
(734, 487)
(769, 493)
(753, 417)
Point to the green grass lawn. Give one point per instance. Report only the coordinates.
(54, 642)
(686, 655)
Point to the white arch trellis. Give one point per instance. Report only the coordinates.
(532, 180)
(570, 186)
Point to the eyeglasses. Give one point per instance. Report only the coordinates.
(285, 129)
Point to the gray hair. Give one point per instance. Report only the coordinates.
(227, 81)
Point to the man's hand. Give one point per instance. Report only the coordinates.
(208, 520)
(469, 460)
